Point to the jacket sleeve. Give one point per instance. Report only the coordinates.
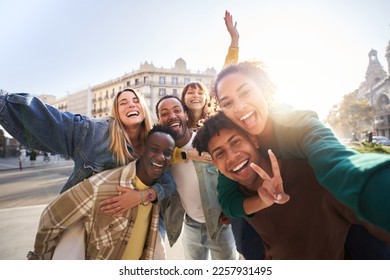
(66, 210)
(38, 125)
(231, 57)
(165, 186)
(361, 181)
(229, 197)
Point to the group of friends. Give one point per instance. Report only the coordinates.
(247, 178)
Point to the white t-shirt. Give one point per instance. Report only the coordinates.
(184, 174)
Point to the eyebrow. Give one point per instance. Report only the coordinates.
(237, 90)
(228, 140)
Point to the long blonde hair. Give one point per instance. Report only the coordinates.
(118, 136)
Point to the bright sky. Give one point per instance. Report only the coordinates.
(316, 51)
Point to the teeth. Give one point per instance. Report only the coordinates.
(133, 113)
(246, 116)
(195, 101)
(174, 124)
(157, 165)
(238, 167)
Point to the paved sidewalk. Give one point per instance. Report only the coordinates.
(13, 163)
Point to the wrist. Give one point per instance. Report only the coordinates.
(146, 197)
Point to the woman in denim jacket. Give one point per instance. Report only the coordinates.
(93, 144)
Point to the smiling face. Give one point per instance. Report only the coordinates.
(243, 102)
(156, 157)
(130, 109)
(194, 98)
(171, 113)
(232, 153)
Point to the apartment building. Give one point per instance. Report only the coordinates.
(150, 81)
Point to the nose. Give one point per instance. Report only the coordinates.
(240, 105)
(231, 156)
(171, 115)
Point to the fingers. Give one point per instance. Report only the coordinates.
(274, 164)
(270, 193)
(109, 201)
(270, 196)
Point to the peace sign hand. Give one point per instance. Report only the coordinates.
(271, 191)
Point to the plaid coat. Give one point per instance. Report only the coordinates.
(106, 236)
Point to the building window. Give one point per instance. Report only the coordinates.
(174, 93)
(146, 79)
(186, 80)
(175, 81)
(136, 81)
(162, 80)
(162, 92)
(128, 83)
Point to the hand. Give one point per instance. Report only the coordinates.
(232, 29)
(193, 154)
(223, 219)
(271, 190)
(127, 198)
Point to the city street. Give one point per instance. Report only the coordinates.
(33, 186)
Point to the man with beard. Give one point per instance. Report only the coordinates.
(196, 199)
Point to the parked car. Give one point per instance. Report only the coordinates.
(383, 140)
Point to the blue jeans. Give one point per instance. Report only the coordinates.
(197, 244)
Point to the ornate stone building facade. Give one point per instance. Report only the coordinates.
(376, 89)
(152, 82)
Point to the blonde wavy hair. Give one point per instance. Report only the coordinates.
(118, 137)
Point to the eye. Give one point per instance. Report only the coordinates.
(219, 154)
(226, 105)
(236, 142)
(168, 155)
(245, 92)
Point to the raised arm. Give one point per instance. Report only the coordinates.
(231, 26)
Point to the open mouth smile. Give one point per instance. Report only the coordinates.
(241, 167)
(132, 114)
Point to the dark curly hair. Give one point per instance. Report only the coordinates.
(163, 129)
(211, 127)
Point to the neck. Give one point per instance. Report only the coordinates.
(141, 174)
(196, 115)
(134, 135)
(184, 140)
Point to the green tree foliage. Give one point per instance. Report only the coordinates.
(351, 116)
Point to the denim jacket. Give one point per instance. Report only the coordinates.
(173, 211)
(45, 128)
